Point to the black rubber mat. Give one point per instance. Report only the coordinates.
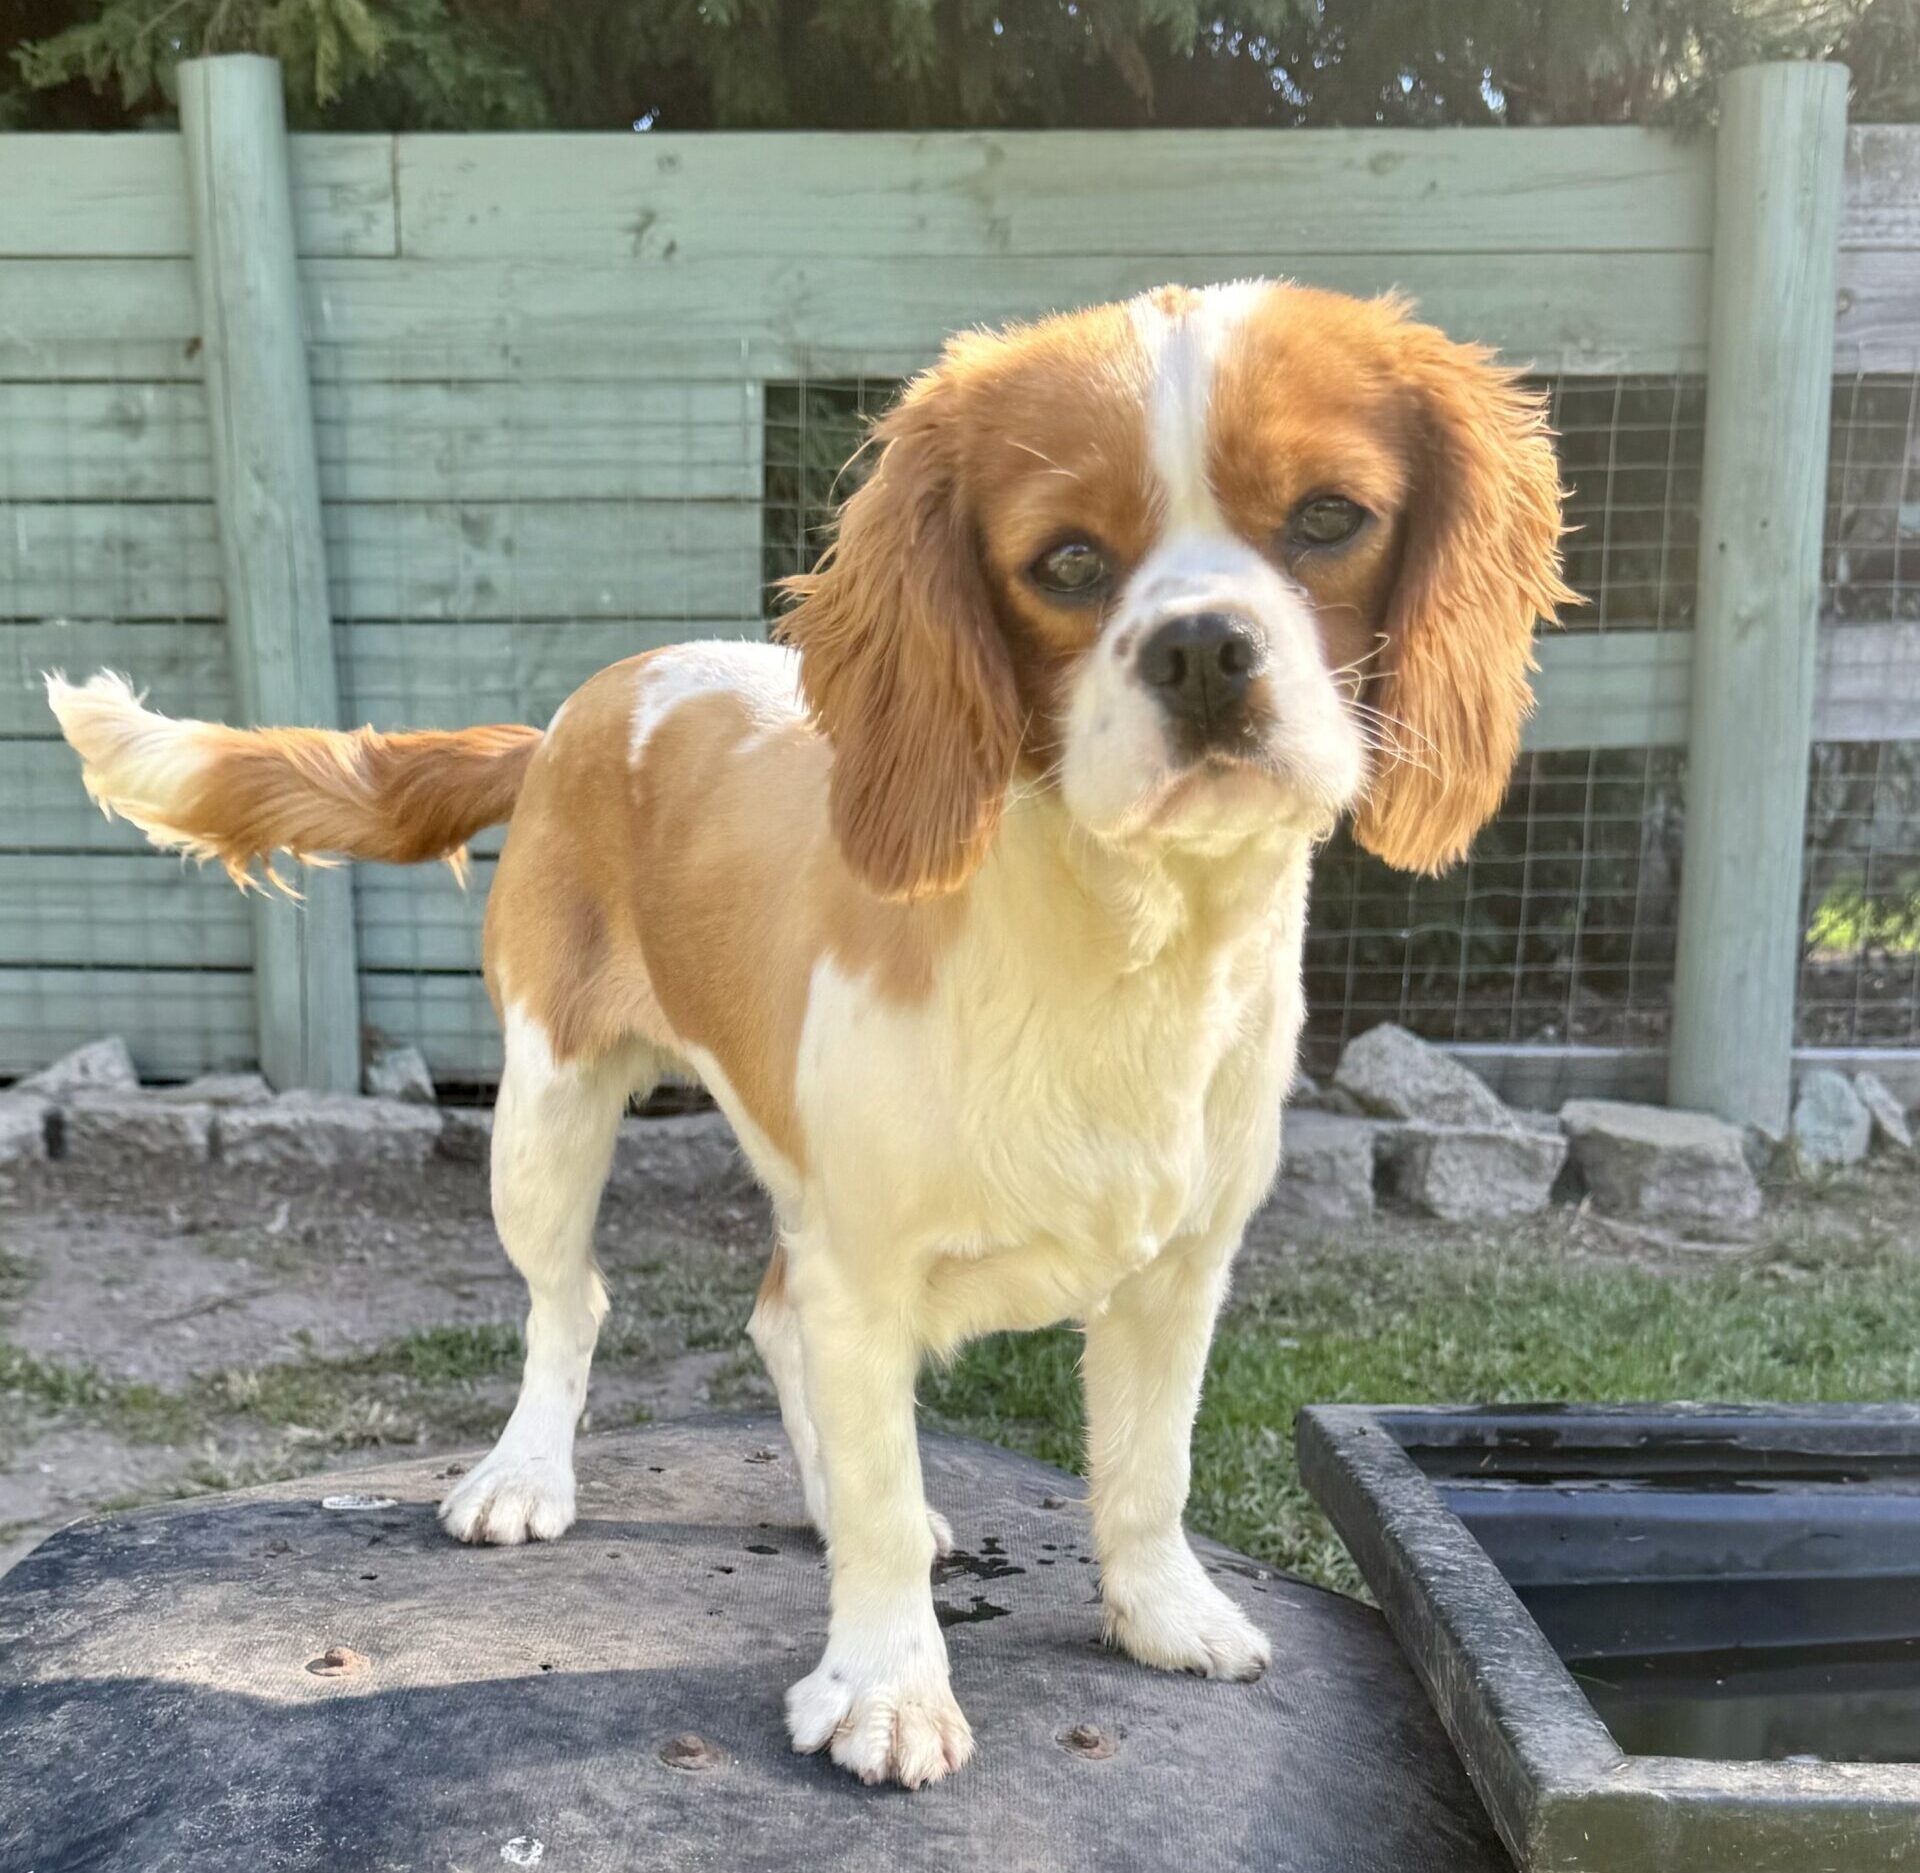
(613, 1700)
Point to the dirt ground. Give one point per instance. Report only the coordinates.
(170, 1333)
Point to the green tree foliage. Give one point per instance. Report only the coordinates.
(349, 63)
(701, 64)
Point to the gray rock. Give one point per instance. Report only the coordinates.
(1326, 1168)
(1889, 1116)
(1464, 1173)
(1399, 1076)
(693, 1152)
(1532, 1121)
(218, 1089)
(325, 1131)
(102, 1066)
(1831, 1126)
(466, 1133)
(401, 1073)
(1763, 1146)
(115, 1131)
(24, 1119)
(1685, 1170)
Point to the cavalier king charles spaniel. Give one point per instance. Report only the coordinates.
(976, 900)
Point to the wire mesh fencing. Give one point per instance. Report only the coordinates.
(1860, 953)
(1559, 927)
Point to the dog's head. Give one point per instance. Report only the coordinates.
(1200, 563)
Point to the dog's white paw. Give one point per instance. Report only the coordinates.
(907, 1729)
(511, 1497)
(942, 1534)
(1172, 1616)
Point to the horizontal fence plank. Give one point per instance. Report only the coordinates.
(778, 314)
(1192, 193)
(394, 675)
(1867, 683)
(185, 668)
(639, 440)
(1541, 1079)
(645, 439)
(456, 675)
(1077, 192)
(1631, 689)
(176, 1022)
(49, 307)
(1882, 203)
(1610, 689)
(129, 559)
(103, 442)
(681, 560)
(124, 911)
(685, 560)
(54, 359)
(1878, 326)
(782, 315)
(126, 195)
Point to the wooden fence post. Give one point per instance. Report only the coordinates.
(273, 554)
(1779, 167)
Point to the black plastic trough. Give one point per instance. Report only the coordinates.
(1660, 1636)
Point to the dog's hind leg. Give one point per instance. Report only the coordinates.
(553, 1137)
(774, 1329)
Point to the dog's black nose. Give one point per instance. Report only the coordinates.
(1201, 667)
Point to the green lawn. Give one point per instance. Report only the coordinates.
(1820, 1312)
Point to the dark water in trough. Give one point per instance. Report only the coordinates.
(1714, 1598)
(1826, 1703)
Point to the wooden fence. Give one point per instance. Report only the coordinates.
(508, 394)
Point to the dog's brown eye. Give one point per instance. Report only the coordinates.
(1073, 569)
(1325, 520)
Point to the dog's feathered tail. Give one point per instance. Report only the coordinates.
(240, 795)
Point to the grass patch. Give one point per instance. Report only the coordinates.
(140, 1413)
(15, 1272)
(1498, 1325)
(663, 1305)
(451, 1355)
(394, 1394)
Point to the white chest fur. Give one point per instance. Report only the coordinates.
(1098, 1074)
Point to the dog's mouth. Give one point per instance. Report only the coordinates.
(1250, 780)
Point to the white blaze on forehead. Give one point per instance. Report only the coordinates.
(1183, 350)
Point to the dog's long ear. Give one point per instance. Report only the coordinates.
(1480, 565)
(904, 665)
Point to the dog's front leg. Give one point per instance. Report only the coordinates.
(879, 1699)
(1146, 1353)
